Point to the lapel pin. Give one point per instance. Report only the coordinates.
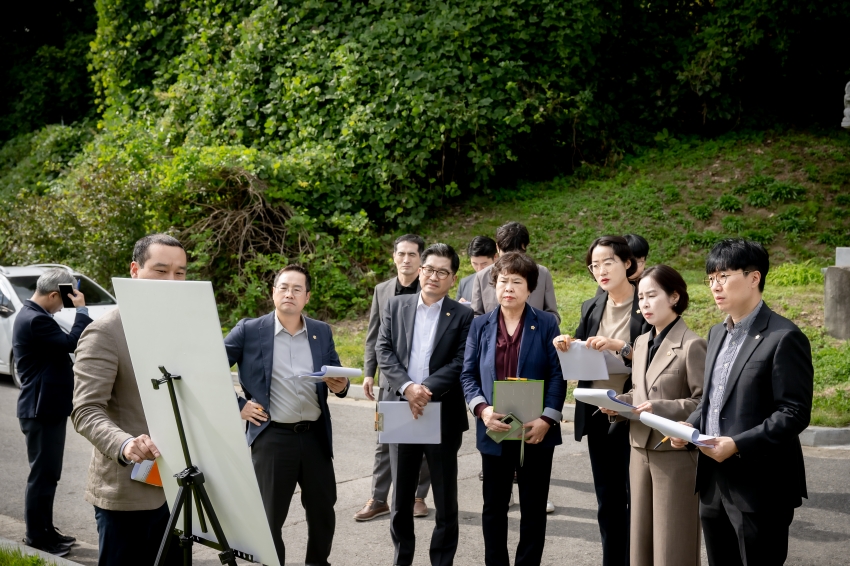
(758, 336)
(669, 353)
(532, 328)
(448, 314)
(314, 337)
(637, 311)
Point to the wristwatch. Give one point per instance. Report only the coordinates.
(627, 349)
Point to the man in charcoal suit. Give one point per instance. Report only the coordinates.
(420, 350)
(758, 399)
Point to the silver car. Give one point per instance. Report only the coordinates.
(17, 284)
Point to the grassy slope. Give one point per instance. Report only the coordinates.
(659, 195)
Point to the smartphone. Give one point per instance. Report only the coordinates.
(64, 290)
(509, 419)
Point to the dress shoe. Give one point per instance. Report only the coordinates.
(372, 509)
(63, 538)
(550, 507)
(53, 547)
(419, 508)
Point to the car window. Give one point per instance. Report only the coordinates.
(24, 286)
(94, 294)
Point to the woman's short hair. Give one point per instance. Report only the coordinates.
(670, 281)
(516, 263)
(621, 249)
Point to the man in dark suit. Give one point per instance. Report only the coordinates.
(420, 350)
(289, 428)
(44, 405)
(406, 252)
(758, 399)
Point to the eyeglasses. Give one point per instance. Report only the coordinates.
(294, 290)
(710, 280)
(429, 271)
(606, 263)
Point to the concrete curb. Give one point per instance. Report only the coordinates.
(29, 551)
(813, 436)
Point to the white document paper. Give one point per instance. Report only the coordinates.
(615, 364)
(401, 428)
(581, 363)
(329, 371)
(605, 398)
(674, 429)
(175, 324)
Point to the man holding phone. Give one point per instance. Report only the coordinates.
(47, 385)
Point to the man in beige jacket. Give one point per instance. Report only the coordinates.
(131, 516)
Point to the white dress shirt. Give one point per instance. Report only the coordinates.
(424, 329)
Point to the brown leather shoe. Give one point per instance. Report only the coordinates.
(419, 508)
(371, 510)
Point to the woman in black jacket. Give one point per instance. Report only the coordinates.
(610, 321)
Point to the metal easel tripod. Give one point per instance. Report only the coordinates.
(191, 480)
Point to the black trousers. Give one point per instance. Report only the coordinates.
(405, 463)
(735, 538)
(609, 461)
(533, 482)
(283, 459)
(132, 538)
(45, 440)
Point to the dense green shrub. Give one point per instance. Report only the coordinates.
(701, 211)
(790, 274)
(729, 203)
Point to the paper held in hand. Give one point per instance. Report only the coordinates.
(674, 429)
(605, 398)
(330, 371)
(581, 363)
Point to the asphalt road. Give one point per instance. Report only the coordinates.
(820, 533)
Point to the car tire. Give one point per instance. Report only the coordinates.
(14, 367)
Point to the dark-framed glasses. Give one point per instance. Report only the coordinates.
(429, 271)
(721, 278)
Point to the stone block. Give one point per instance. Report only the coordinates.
(837, 302)
(842, 257)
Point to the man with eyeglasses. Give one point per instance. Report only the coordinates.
(406, 252)
(289, 424)
(420, 349)
(758, 384)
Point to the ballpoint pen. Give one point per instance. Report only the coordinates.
(663, 440)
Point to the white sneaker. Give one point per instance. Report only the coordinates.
(550, 507)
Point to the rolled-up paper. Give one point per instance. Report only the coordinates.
(674, 429)
(330, 371)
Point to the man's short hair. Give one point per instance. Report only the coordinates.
(512, 237)
(481, 246)
(732, 254)
(670, 281)
(141, 251)
(48, 282)
(442, 250)
(298, 268)
(516, 263)
(621, 250)
(638, 244)
(415, 238)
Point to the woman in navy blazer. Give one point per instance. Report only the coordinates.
(514, 340)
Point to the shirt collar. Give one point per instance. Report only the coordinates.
(278, 327)
(663, 334)
(37, 306)
(438, 304)
(745, 322)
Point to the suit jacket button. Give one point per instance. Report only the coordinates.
(655, 389)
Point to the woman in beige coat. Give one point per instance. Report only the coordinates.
(668, 367)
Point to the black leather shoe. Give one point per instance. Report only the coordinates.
(55, 548)
(64, 539)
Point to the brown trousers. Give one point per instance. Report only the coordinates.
(665, 527)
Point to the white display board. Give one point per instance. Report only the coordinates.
(175, 324)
